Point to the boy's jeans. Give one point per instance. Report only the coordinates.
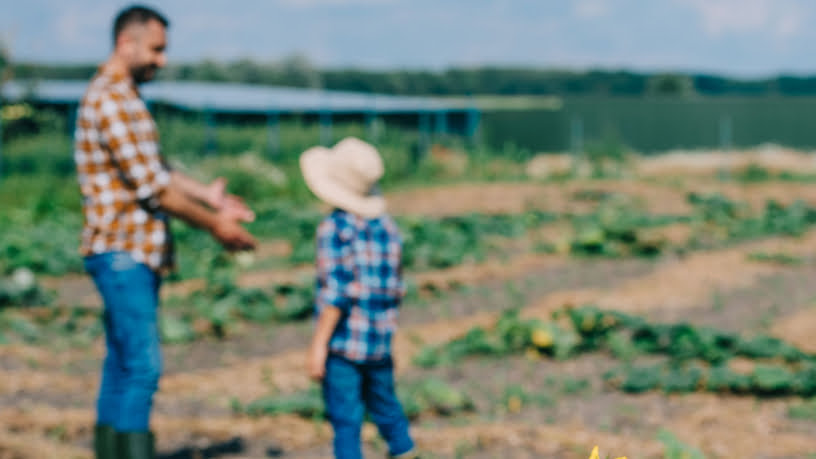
(350, 389)
(130, 373)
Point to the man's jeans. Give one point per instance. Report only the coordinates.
(130, 373)
(349, 390)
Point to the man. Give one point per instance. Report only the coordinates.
(127, 193)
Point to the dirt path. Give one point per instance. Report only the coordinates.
(664, 198)
(721, 426)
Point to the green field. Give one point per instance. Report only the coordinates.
(651, 124)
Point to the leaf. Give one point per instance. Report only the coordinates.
(175, 330)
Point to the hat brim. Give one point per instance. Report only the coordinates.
(315, 165)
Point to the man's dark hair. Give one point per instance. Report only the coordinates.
(136, 14)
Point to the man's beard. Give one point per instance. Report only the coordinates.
(143, 73)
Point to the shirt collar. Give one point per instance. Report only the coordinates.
(117, 75)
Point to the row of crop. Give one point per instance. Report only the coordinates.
(216, 308)
(49, 245)
(429, 395)
(57, 327)
(695, 357)
(614, 228)
(429, 243)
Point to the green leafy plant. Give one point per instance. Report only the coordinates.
(676, 449)
(695, 357)
(430, 395)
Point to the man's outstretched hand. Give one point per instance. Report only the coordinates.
(220, 200)
(229, 232)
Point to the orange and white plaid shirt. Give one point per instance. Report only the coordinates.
(121, 173)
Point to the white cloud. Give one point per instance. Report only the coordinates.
(789, 25)
(591, 8)
(780, 18)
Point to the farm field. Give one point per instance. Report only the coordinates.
(662, 311)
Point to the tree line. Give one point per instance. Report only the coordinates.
(488, 80)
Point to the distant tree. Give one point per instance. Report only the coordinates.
(669, 84)
(246, 71)
(5, 63)
(209, 70)
(33, 71)
(299, 71)
(796, 86)
(5, 69)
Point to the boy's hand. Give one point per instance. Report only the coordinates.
(319, 350)
(317, 361)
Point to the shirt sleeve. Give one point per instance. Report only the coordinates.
(130, 133)
(334, 267)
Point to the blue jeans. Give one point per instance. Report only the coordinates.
(349, 389)
(130, 373)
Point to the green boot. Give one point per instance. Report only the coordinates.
(104, 442)
(136, 445)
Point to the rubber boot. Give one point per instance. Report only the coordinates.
(104, 442)
(136, 445)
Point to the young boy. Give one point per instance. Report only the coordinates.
(359, 288)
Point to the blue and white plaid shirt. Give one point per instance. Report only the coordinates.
(359, 272)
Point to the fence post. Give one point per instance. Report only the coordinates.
(725, 143)
(441, 127)
(72, 119)
(325, 127)
(273, 139)
(576, 142)
(372, 126)
(1, 136)
(209, 119)
(473, 125)
(424, 135)
(725, 133)
(371, 120)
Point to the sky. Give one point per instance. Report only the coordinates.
(739, 38)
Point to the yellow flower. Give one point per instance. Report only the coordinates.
(595, 454)
(514, 404)
(542, 338)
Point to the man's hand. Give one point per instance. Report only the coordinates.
(214, 193)
(317, 361)
(234, 206)
(217, 198)
(230, 233)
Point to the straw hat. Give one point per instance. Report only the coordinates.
(344, 176)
